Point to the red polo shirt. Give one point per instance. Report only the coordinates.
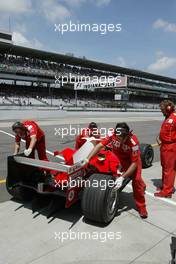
(129, 150)
(32, 130)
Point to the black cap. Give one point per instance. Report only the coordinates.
(122, 129)
(17, 125)
(93, 125)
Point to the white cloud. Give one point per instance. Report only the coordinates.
(165, 25)
(15, 6)
(102, 2)
(74, 3)
(54, 11)
(162, 64)
(20, 27)
(35, 43)
(121, 62)
(159, 54)
(21, 40)
(60, 10)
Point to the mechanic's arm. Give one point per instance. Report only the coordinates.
(28, 151)
(158, 140)
(17, 148)
(97, 148)
(131, 170)
(33, 142)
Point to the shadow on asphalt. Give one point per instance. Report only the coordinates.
(157, 183)
(54, 209)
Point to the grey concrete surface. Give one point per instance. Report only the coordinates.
(27, 237)
(64, 115)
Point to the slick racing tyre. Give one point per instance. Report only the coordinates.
(147, 155)
(99, 203)
(19, 193)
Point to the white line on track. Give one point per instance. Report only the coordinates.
(156, 198)
(129, 186)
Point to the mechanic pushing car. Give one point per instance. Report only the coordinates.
(90, 131)
(167, 142)
(126, 146)
(34, 137)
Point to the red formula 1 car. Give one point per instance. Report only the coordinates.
(70, 178)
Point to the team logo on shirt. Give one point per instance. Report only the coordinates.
(132, 141)
(29, 127)
(116, 144)
(135, 150)
(170, 121)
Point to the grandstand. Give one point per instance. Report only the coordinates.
(29, 77)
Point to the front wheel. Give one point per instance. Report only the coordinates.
(99, 200)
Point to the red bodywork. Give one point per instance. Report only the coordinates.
(105, 162)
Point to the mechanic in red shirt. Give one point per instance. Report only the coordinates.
(167, 142)
(34, 137)
(126, 146)
(90, 131)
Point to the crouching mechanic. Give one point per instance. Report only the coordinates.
(125, 146)
(34, 137)
(167, 142)
(90, 131)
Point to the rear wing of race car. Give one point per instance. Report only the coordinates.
(78, 158)
(48, 164)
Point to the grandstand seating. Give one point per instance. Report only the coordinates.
(11, 63)
(40, 95)
(4, 101)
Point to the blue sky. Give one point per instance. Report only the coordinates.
(147, 40)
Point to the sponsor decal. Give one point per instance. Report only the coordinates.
(71, 195)
(135, 148)
(170, 121)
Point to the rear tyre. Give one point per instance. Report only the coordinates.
(99, 202)
(19, 193)
(147, 155)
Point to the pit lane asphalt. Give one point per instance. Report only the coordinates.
(28, 237)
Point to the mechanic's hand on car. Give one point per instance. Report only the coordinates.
(27, 152)
(119, 171)
(118, 183)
